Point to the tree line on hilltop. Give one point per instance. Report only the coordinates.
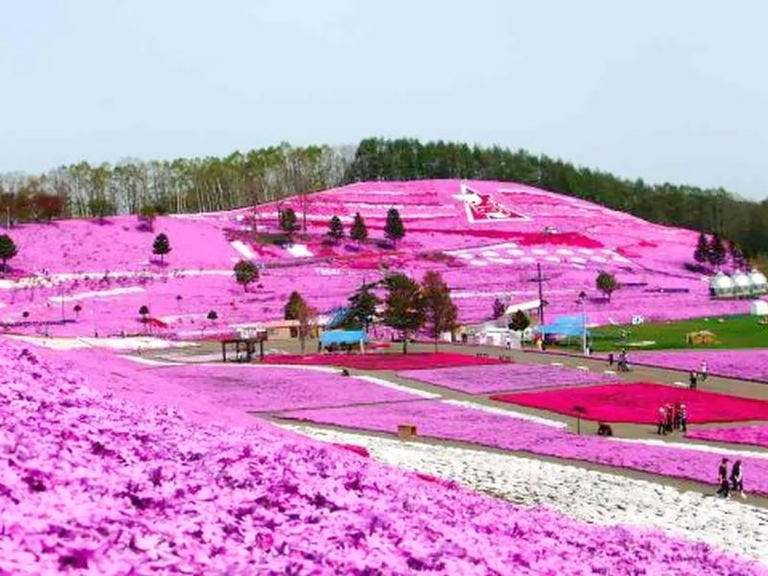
(268, 174)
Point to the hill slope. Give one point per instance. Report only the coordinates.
(484, 237)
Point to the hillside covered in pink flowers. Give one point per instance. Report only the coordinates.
(91, 483)
(484, 237)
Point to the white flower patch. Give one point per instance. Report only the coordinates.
(551, 258)
(564, 251)
(598, 259)
(243, 249)
(299, 251)
(128, 343)
(478, 263)
(399, 387)
(489, 253)
(528, 259)
(594, 497)
(328, 271)
(97, 294)
(539, 251)
(501, 260)
(698, 447)
(515, 252)
(578, 259)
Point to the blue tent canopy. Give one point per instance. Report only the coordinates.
(563, 326)
(343, 337)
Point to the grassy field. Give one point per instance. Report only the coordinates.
(730, 332)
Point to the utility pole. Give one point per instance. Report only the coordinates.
(583, 299)
(539, 279)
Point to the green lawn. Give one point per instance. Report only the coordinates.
(730, 331)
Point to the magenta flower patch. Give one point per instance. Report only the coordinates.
(93, 484)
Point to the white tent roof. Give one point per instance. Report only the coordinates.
(741, 280)
(757, 278)
(524, 306)
(721, 282)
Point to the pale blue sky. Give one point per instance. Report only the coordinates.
(659, 89)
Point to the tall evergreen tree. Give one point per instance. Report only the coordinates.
(7, 250)
(359, 231)
(404, 310)
(499, 308)
(294, 305)
(440, 311)
(161, 246)
(289, 223)
(362, 308)
(717, 252)
(394, 229)
(335, 229)
(297, 309)
(701, 254)
(738, 260)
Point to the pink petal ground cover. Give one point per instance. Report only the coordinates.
(508, 376)
(263, 388)
(109, 269)
(93, 484)
(751, 364)
(754, 435)
(419, 361)
(639, 402)
(447, 422)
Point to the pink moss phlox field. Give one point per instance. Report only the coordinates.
(110, 271)
(507, 376)
(753, 435)
(267, 388)
(750, 364)
(93, 484)
(441, 420)
(381, 361)
(639, 402)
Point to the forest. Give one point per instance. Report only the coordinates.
(267, 174)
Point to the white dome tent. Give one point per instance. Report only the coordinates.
(741, 284)
(758, 282)
(721, 285)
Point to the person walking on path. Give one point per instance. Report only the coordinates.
(737, 478)
(662, 421)
(683, 414)
(692, 380)
(703, 371)
(722, 478)
(610, 359)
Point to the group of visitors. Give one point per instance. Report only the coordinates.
(694, 377)
(733, 482)
(622, 362)
(672, 417)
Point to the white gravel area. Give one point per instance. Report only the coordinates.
(594, 497)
